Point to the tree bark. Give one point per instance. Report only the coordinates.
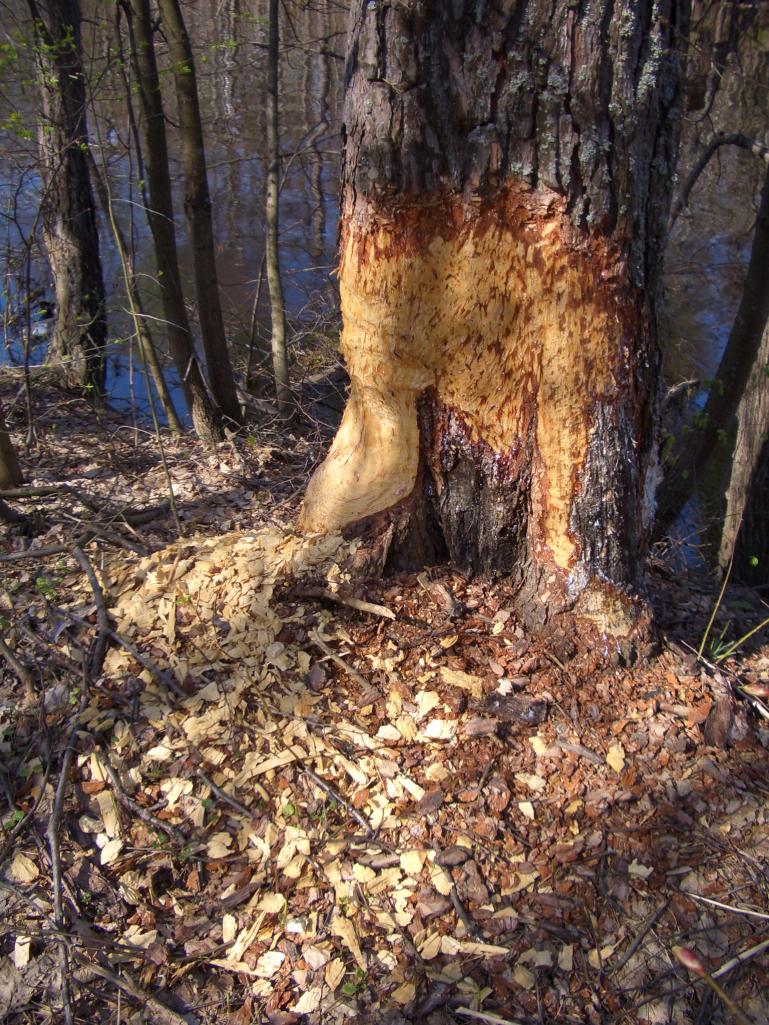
(505, 193)
(160, 214)
(197, 204)
(715, 424)
(272, 218)
(745, 535)
(10, 469)
(70, 233)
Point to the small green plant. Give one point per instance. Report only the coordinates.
(720, 648)
(353, 986)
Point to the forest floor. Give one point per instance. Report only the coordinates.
(242, 784)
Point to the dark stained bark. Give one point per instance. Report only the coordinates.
(715, 425)
(197, 204)
(505, 195)
(70, 233)
(160, 213)
(10, 469)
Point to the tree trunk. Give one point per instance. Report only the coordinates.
(147, 348)
(716, 422)
(160, 214)
(745, 532)
(272, 251)
(197, 203)
(505, 193)
(10, 470)
(70, 234)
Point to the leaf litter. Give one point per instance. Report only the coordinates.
(442, 821)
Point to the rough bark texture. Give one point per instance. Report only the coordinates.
(160, 213)
(716, 422)
(10, 470)
(746, 522)
(505, 191)
(70, 234)
(197, 204)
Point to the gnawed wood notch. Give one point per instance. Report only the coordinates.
(495, 345)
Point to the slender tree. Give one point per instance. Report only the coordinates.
(160, 212)
(68, 217)
(505, 194)
(715, 422)
(197, 204)
(272, 252)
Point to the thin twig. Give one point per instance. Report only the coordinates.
(224, 796)
(746, 955)
(646, 926)
(25, 675)
(329, 652)
(463, 914)
(334, 794)
(159, 1012)
(102, 619)
(56, 874)
(726, 907)
(136, 809)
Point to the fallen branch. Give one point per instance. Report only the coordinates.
(56, 873)
(159, 1012)
(25, 675)
(329, 652)
(334, 794)
(646, 926)
(102, 619)
(341, 599)
(224, 796)
(136, 809)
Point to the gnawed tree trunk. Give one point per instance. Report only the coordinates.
(70, 234)
(205, 418)
(197, 204)
(505, 192)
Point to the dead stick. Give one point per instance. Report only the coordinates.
(56, 875)
(341, 599)
(646, 926)
(24, 674)
(122, 797)
(102, 619)
(318, 641)
(224, 796)
(334, 794)
(161, 1014)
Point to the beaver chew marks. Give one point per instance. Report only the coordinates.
(500, 316)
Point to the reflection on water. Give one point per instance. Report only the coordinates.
(229, 40)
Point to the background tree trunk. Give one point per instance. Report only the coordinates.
(272, 208)
(715, 425)
(10, 469)
(197, 203)
(505, 194)
(160, 214)
(746, 522)
(69, 220)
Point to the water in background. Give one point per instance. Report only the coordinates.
(229, 41)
